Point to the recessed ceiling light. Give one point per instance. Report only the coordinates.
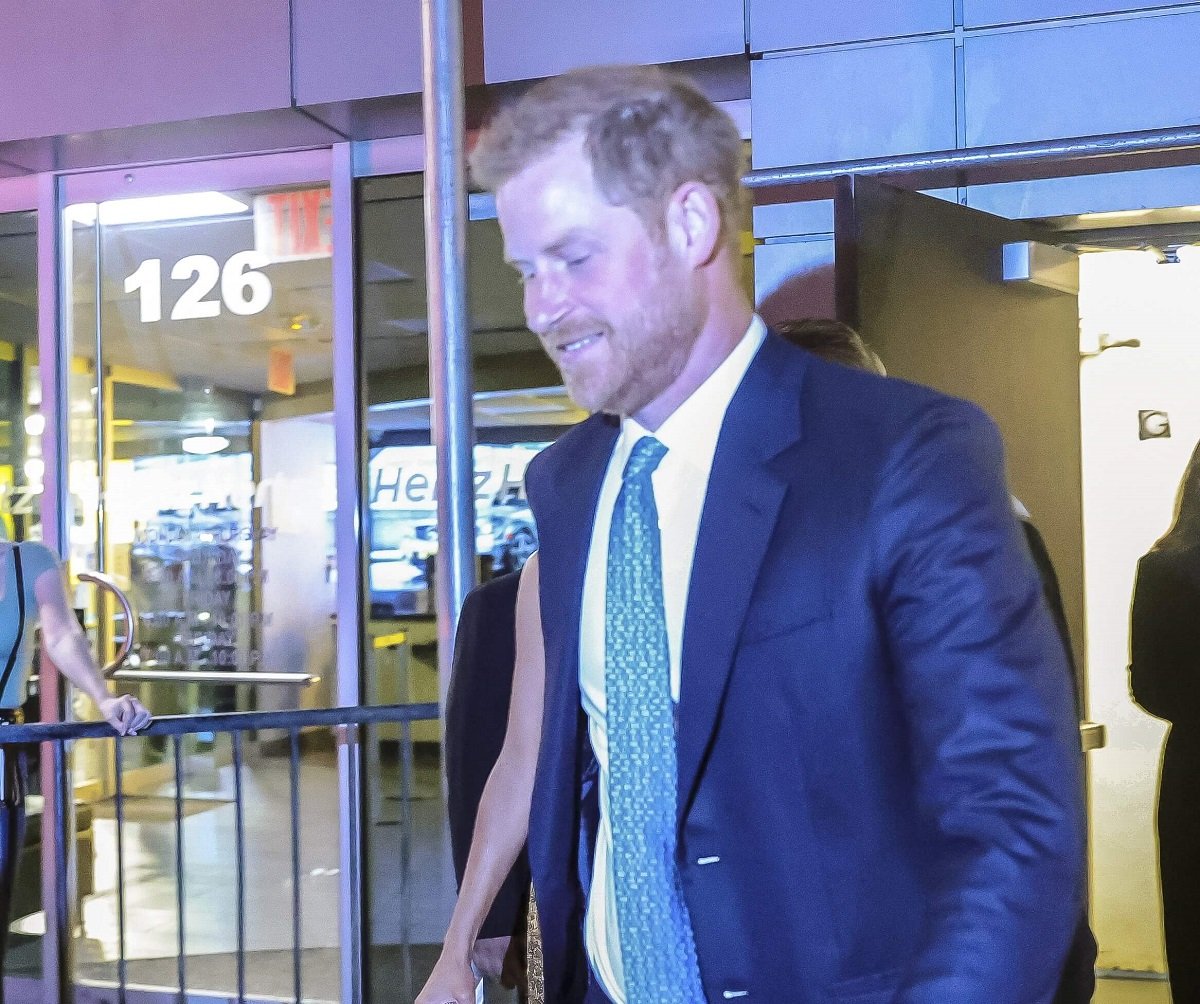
(204, 445)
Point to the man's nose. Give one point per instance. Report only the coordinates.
(545, 302)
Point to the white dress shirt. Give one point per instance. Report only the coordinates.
(680, 484)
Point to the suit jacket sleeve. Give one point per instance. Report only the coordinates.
(993, 742)
(476, 720)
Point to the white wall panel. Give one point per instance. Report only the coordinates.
(845, 103)
(790, 24)
(1082, 79)
(525, 39)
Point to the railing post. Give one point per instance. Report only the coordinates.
(56, 820)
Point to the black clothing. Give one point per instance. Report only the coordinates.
(1165, 680)
(476, 720)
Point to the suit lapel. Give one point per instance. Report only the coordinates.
(572, 490)
(741, 509)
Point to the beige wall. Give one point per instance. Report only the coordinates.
(1129, 490)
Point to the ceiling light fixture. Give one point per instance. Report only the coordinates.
(156, 209)
(204, 446)
(207, 444)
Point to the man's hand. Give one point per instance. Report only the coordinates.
(488, 956)
(126, 714)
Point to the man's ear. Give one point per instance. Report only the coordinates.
(694, 223)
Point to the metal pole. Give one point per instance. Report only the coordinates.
(449, 330)
(353, 916)
(1063, 151)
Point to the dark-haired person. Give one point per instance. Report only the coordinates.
(805, 732)
(833, 340)
(1164, 676)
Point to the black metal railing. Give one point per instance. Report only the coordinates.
(58, 819)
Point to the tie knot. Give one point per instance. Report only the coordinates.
(644, 458)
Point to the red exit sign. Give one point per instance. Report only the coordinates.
(294, 225)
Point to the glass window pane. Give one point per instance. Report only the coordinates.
(519, 407)
(21, 424)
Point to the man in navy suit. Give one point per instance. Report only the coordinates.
(785, 607)
(838, 342)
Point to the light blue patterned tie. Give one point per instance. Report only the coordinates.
(657, 945)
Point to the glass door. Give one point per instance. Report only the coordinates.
(201, 479)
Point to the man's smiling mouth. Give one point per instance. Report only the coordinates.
(583, 341)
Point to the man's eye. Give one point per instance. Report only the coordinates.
(577, 261)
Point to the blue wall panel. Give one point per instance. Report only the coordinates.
(982, 13)
(356, 49)
(794, 280)
(1082, 79)
(83, 65)
(790, 24)
(525, 39)
(844, 103)
(1125, 191)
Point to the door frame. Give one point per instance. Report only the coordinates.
(50, 193)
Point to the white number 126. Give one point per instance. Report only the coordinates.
(244, 289)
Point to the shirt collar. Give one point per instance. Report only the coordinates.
(691, 430)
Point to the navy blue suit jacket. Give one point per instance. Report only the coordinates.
(879, 767)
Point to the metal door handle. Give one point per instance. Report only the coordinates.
(106, 582)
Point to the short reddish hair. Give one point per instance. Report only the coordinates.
(646, 131)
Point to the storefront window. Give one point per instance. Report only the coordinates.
(519, 408)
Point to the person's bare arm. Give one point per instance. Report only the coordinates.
(65, 643)
(503, 820)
